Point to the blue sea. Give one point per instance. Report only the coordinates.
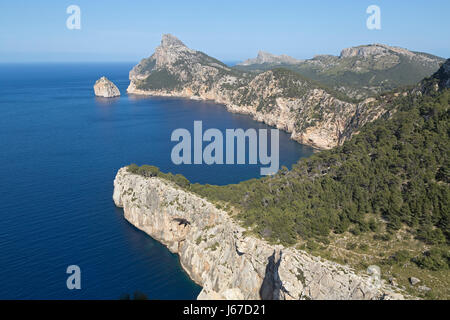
(60, 148)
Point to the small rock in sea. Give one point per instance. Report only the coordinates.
(105, 88)
(414, 281)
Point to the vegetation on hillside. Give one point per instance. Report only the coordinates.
(380, 198)
(159, 79)
(393, 175)
(395, 171)
(357, 77)
(152, 171)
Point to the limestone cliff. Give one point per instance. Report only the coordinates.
(228, 264)
(105, 88)
(282, 98)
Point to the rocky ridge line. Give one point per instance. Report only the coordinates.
(266, 57)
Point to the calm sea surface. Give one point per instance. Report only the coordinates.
(60, 148)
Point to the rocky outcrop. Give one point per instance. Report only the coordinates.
(227, 263)
(105, 88)
(381, 50)
(281, 98)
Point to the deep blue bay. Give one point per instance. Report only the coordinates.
(60, 150)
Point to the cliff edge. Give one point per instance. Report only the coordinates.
(228, 264)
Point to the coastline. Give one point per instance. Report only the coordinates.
(282, 121)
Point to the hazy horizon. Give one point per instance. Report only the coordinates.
(231, 32)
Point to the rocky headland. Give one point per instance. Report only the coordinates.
(229, 264)
(314, 114)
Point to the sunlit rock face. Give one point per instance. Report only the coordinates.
(227, 263)
(105, 88)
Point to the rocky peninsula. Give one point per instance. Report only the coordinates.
(229, 264)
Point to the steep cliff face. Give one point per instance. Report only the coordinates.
(217, 254)
(313, 114)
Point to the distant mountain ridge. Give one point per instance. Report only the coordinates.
(268, 58)
(361, 71)
(313, 113)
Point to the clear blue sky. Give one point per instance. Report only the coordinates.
(230, 30)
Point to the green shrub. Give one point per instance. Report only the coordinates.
(363, 247)
(152, 171)
(148, 171)
(133, 168)
(399, 258)
(434, 259)
(312, 245)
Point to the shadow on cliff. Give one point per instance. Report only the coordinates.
(271, 287)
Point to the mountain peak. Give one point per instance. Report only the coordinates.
(263, 54)
(169, 40)
(365, 50)
(376, 49)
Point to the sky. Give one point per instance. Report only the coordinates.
(36, 31)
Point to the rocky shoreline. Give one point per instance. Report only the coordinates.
(329, 134)
(218, 255)
(282, 99)
(314, 114)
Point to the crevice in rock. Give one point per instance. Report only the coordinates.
(272, 287)
(182, 221)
